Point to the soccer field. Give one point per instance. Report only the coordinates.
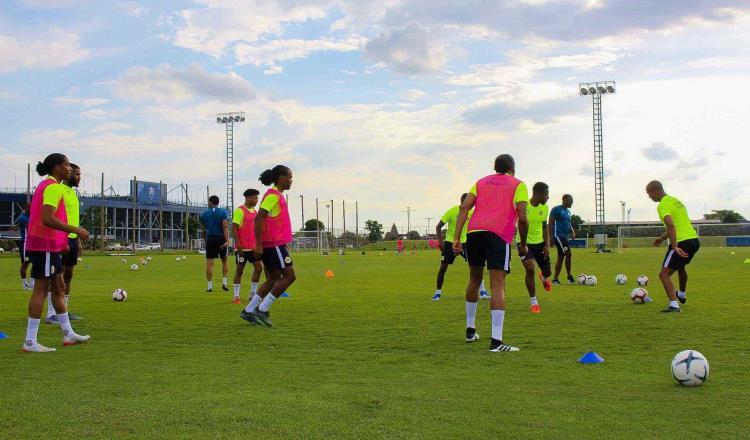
(366, 355)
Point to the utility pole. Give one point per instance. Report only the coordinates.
(135, 208)
(343, 214)
(302, 208)
(427, 230)
(356, 221)
(228, 119)
(622, 204)
(28, 183)
(102, 215)
(408, 218)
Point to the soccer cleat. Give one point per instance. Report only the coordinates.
(545, 282)
(249, 317)
(236, 300)
(74, 317)
(225, 288)
(263, 317)
(498, 346)
(436, 297)
(52, 320)
(35, 347)
(484, 295)
(209, 290)
(74, 339)
(556, 282)
(671, 309)
(536, 309)
(681, 299)
(571, 280)
(471, 335)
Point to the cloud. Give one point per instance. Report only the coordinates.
(413, 94)
(587, 170)
(659, 152)
(50, 4)
(111, 126)
(71, 99)
(699, 162)
(410, 50)
(275, 51)
(167, 83)
(47, 50)
(730, 190)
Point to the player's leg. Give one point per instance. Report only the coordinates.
(224, 272)
(70, 337)
(25, 284)
(209, 274)
(240, 261)
(530, 280)
(691, 247)
(257, 271)
(559, 260)
(569, 264)
(682, 276)
(440, 280)
(472, 298)
(287, 278)
(36, 304)
(498, 264)
(672, 263)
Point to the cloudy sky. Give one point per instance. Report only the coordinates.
(393, 103)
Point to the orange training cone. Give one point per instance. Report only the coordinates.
(329, 273)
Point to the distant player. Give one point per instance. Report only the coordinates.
(448, 256)
(46, 238)
(243, 231)
(22, 223)
(214, 220)
(400, 246)
(562, 232)
(273, 231)
(538, 243)
(499, 202)
(69, 257)
(683, 243)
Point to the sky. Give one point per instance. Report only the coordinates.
(392, 104)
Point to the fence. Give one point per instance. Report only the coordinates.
(712, 235)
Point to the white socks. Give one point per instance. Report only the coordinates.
(254, 288)
(254, 302)
(498, 316)
(534, 301)
(481, 287)
(681, 294)
(24, 284)
(67, 329)
(50, 307)
(438, 291)
(210, 285)
(267, 302)
(32, 328)
(224, 281)
(471, 314)
(237, 290)
(674, 304)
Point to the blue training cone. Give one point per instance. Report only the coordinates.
(3, 335)
(284, 295)
(591, 358)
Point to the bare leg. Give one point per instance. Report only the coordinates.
(558, 266)
(257, 270)
(568, 262)
(209, 269)
(666, 280)
(530, 281)
(441, 275)
(224, 267)
(497, 283)
(238, 273)
(475, 279)
(287, 278)
(38, 295)
(683, 277)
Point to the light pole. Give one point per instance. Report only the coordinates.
(228, 119)
(596, 90)
(622, 204)
(302, 206)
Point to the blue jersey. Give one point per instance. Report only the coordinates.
(561, 215)
(212, 219)
(23, 224)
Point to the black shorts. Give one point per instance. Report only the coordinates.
(241, 258)
(214, 247)
(562, 245)
(22, 251)
(448, 257)
(536, 253)
(277, 257)
(676, 262)
(45, 265)
(70, 258)
(485, 246)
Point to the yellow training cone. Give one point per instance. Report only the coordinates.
(329, 273)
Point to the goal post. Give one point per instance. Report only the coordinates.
(710, 234)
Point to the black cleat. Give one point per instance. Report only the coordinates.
(498, 346)
(471, 335)
(249, 317)
(671, 309)
(556, 282)
(571, 280)
(682, 300)
(263, 318)
(225, 288)
(209, 290)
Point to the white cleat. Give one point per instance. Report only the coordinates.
(29, 347)
(75, 338)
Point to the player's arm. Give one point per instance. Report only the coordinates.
(523, 226)
(672, 234)
(545, 234)
(463, 215)
(225, 227)
(236, 235)
(439, 232)
(572, 231)
(260, 218)
(50, 221)
(551, 224)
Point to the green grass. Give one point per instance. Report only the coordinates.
(367, 355)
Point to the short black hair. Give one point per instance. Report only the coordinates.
(567, 196)
(504, 163)
(251, 192)
(463, 197)
(540, 187)
(214, 200)
(74, 166)
(271, 176)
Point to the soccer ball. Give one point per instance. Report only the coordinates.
(184, 258)
(178, 259)
(80, 259)
(642, 280)
(638, 295)
(133, 267)
(591, 280)
(621, 279)
(119, 295)
(690, 368)
(582, 279)
(124, 260)
(149, 258)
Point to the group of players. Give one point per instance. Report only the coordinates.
(495, 213)
(498, 212)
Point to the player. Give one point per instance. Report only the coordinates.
(683, 243)
(448, 256)
(46, 238)
(22, 223)
(274, 227)
(243, 231)
(69, 257)
(538, 243)
(399, 246)
(214, 220)
(499, 201)
(562, 231)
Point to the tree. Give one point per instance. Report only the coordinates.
(91, 220)
(576, 221)
(412, 235)
(393, 234)
(725, 216)
(374, 230)
(194, 225)
(314, 225)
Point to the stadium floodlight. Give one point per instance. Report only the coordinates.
(596, 90)
(228, 119)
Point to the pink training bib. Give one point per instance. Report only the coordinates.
(38, 236)
(247, 228)
(277, 231)
(494, 209)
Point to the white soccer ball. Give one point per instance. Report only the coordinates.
(690, 368)
(133, 267)
(149, 258)
(642, 280)
(582, 279)
(119, 295)
(184, 258)
(621, 279)
(638, 295)
(124, 260)
(80, 259)
(591, 280)
(178, 259)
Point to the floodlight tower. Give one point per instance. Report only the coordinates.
(597, 90)
(228, 119)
